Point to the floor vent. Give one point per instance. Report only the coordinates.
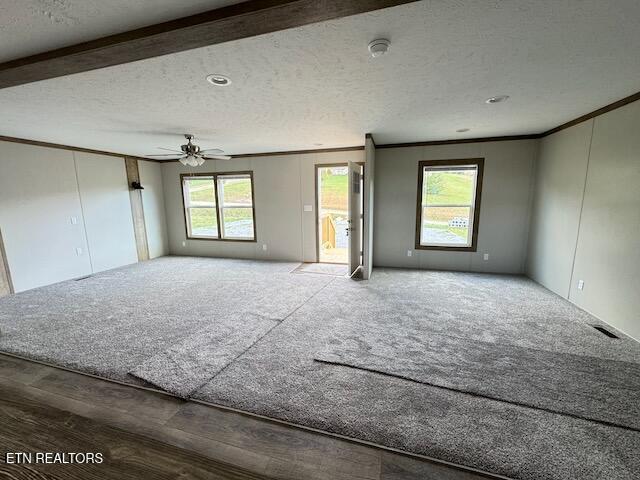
(604, 331)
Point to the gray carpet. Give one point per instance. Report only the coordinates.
(153, 314)
(187, 365)
(113, 322)
(335, 269)
(587, 387)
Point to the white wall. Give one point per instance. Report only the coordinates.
(106, 207)
(604, 252)
(38, 198)
(154, 209)
(283, 185)
(504, 212)
(66, 214)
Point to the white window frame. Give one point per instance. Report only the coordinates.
(222, 206)
(218, 205)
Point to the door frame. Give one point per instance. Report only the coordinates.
(362, 214)
(317, 214)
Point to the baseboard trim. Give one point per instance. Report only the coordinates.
(597, 317)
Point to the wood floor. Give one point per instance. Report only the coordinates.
(144, 434)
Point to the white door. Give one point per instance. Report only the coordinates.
(354, 229)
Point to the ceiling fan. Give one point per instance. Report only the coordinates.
(191, 154)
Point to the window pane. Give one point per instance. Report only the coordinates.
(234, 191)
(445, 225)
(200, 192)
(448, 187)
(238, 222)
(203, 222)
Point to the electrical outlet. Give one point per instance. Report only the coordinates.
(580, 284)
(486, 256)
(78, 251)
(409, 253)
(264, 246)
(308, 208)
(184, 244)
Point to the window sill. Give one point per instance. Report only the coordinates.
(472, 248)
(244, 240)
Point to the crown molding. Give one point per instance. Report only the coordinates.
(607, 108)
(460, 141)
(37, 143)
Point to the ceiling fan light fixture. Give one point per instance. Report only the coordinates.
(218, 80)
(192, 155)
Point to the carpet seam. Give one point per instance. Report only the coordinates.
(475, 394)
(271, 419)
(241, 381)
(278, 323)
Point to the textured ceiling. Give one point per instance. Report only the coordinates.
(317, 84)
(28, 27)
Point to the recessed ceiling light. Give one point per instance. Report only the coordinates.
(218, 80)
(462, 130)
(379, 47)
(497, 99)
(318, 144)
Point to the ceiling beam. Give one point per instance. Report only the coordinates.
(242, 20)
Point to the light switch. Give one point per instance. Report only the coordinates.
(308, 208)
(74, 220)
(78, 251)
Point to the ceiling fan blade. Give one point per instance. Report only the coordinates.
(216, 157)
(170, 150)
(163, 155)
(212, 151)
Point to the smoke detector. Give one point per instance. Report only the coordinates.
(218, 80)
(498, 99)
(379, 47)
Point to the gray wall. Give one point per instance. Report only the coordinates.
(154, 208)
(504, 212)
(65, 214)
(38, 198)
(106, 210)
(587, 203)
(283, 185)
(560, 175)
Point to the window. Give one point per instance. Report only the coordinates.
(449, 204)
(219, 206)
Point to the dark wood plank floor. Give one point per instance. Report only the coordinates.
(145, 434)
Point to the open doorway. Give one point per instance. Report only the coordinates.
(332, 207)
